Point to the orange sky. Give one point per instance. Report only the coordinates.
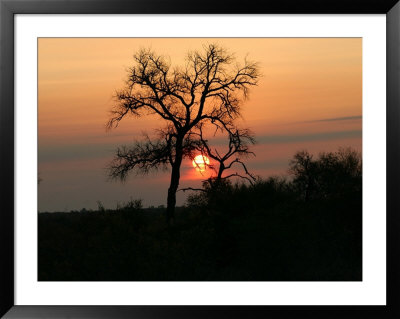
(310, 97)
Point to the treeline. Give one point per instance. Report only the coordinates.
(307, 226)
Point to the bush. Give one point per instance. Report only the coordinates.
(331, 175)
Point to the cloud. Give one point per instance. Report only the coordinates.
(268, 164)
(297, 138)
(334, 119)
(311, 137)
(57, 153)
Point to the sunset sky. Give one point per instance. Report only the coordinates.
(309, 97)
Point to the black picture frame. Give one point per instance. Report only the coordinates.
(8, 8)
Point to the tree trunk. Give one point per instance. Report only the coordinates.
(175, 176)
(220, 170)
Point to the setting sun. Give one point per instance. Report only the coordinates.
(200, 163)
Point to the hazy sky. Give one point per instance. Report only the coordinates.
(309, 97)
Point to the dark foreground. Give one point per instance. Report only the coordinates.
(257, 233)
(308, 227)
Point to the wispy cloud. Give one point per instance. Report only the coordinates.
(335, 119)
(268, 164)
(295, 138)
(56, 153)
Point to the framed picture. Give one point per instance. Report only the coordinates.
(170, 160)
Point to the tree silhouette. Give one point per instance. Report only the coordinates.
(209, 88)
(304, 170)
(332, 174)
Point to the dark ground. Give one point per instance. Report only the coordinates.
(249, 234)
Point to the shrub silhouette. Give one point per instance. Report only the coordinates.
(331, 175)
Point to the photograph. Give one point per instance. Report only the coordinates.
(200, 159)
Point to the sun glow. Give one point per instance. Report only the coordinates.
(200, 163)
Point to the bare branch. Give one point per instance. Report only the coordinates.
(238, 145)
(244, 167)
(241, 176)
(142, 157)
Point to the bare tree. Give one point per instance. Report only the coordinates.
(209, 88)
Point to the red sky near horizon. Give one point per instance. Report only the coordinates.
(309, 97)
